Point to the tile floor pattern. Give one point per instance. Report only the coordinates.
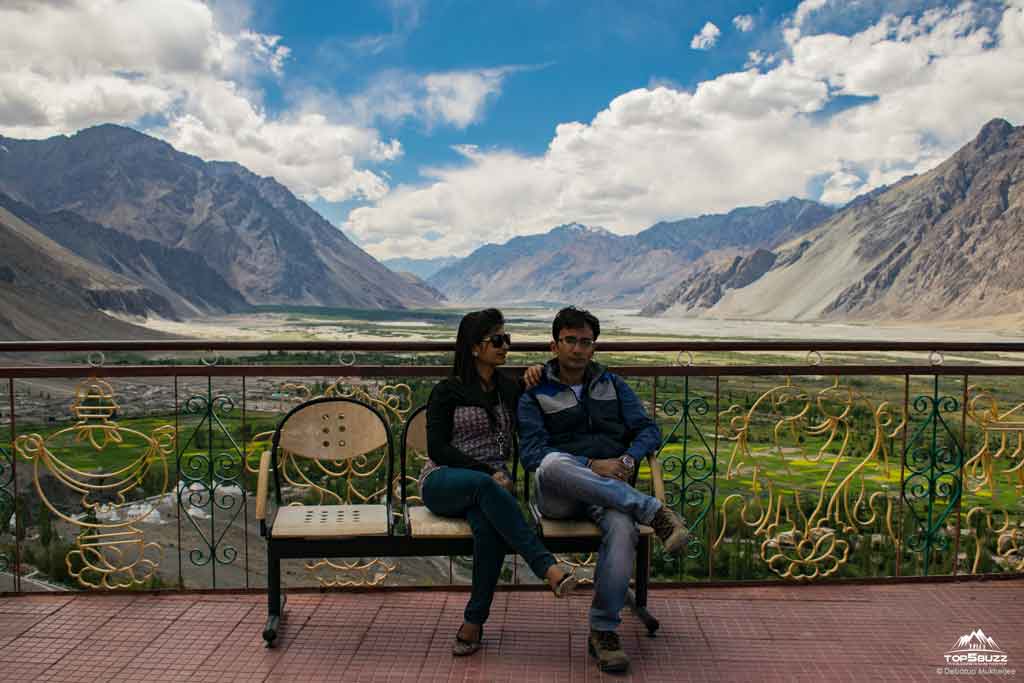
(757, 633)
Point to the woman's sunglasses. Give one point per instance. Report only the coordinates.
(499, 340)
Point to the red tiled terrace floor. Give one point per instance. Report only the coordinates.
(820, 632)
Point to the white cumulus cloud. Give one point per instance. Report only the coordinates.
(706, 38)
(85, 62)
(806, 9)
(743, 22)
(833, 117)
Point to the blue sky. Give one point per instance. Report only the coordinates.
(569, 60)
(427, 128)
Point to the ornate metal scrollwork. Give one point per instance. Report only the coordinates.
(805, 534)
(211, 483)
(690, 477)
(998, 462)
(358, 573)
(580, 564)
(110, 550)
(7, 509)
(932, 486)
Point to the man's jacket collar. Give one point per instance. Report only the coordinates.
(593, 373)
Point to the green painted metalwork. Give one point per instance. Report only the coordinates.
(690, 479)
(8, 524)
(932, 488)
(211, 482)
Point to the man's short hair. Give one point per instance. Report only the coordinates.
(571, 317)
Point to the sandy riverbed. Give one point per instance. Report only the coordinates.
(531, 325)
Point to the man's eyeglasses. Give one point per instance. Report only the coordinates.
(497, 340)
(582, 342)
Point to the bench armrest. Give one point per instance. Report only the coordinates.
(262, 486)
(657, 478)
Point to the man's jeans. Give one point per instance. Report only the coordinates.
(567, 489)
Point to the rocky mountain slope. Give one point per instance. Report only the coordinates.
(47, 292)
(573, 263)
(179, 276)
(263, 242)
(942, 245)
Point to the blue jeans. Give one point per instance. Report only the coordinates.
(567, 489)
(497, 523)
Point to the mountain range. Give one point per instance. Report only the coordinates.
(940, 245)
(247, 239)
(113, 220)
(578, 263)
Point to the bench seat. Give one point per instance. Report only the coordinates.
(330, 521)
(573, 528)
(425, 524)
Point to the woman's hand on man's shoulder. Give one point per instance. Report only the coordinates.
(533, 375)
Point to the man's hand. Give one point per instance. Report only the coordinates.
(503, 480)
(533, 376)
(611, 468)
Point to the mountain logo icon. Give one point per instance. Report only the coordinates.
(976, 649)
(975, 641)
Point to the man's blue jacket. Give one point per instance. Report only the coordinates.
(607, 421)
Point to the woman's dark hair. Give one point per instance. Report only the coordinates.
(571, 317)
(472, 330)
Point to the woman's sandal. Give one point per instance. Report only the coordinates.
(463, 647)
(565, 585)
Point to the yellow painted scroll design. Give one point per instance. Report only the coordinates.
(110, 550)
(996, 467)
(851, 495)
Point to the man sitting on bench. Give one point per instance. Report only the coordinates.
(582, 429)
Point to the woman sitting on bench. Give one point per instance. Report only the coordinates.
(470, 437)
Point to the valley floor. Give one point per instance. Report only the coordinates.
(532, 325)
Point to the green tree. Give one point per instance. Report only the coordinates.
(45, 525)
(19, 515)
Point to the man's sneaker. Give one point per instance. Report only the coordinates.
(671, 529)
(606, 648)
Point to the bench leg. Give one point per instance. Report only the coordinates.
(274, 603)
(638, 601)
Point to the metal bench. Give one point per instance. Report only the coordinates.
(326, 435)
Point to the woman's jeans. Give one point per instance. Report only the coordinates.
(497, 523)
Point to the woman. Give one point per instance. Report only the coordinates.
(470, 437)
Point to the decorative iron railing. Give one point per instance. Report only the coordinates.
(133, 464)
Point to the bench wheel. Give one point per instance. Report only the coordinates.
(642, 614)
(270, 630)
(648, 619)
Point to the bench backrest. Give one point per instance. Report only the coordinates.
(415, 437)
(414, 440)
(334, 433)
(332, 429)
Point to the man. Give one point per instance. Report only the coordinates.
(575, 428)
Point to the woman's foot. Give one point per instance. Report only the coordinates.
(560, 580)
(467, 639)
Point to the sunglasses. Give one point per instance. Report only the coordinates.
(498, 340)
